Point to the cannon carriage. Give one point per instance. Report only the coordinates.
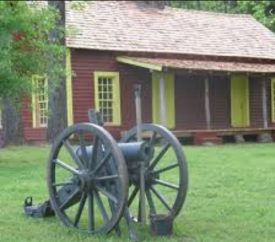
(94, 181)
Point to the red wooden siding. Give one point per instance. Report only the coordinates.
(219, 95)
(85, 63)
(31, 134)
(189, 96)
(190, 113)
(129, 77)
(189, 106)
(256, 113)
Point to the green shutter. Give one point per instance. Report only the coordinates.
(96, 100)
(240, 116)
(69, 89)
(116, 100)
(170, 98)
(156, 101)
(273, 100)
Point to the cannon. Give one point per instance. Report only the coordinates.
(94, 181)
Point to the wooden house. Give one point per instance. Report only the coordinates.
(204, 75)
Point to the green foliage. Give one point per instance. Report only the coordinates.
(263, 11)
(25, 46)
(79, 5)
(215, 6)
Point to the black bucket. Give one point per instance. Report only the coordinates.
(161, 224)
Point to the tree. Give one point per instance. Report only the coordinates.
(57, 118)
(25, 49)
(263, 11)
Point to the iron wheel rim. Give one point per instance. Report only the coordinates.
(90, 195)
(173, 142)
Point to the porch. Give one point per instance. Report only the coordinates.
(211, 101)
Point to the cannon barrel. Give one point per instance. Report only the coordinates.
(135, 151)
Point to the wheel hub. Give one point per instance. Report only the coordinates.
(87, 181)
(148, 177)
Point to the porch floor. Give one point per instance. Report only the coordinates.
(219, 136)
(222, 132)
(232, 135)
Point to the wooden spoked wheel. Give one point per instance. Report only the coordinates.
(165, 176)
(87, 179)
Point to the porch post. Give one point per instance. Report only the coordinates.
(137, 90)
(207, 103)
(162, 96)
(264, 104)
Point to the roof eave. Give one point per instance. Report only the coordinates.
(172, 52)
(130, 61)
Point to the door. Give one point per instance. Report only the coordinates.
(240, 116)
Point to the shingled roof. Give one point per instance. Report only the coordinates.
(133, 26)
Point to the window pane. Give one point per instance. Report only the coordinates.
(105, 96)
(40, 101)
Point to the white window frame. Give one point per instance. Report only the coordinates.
(39, 106)
(272, 87)
(115, 100)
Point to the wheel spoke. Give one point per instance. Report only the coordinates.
(103, 178)
(107, 194)
(61, 184)
(161, 198)
(91, 218)
(167, 168)
(132, 197)
(94, 154)
(66, 166)
(70, 149)
(159, 156)
(150, 202)
(101, 163)
(80, 208)
(112, 208)
(69, 199)
(166, 184)
(101, 206)
(83, 148)
(153, 139)
(142, 211)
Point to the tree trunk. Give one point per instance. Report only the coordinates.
(57, 118)
(198, 4)
(226, 7)
(157, 4)
(12, 133)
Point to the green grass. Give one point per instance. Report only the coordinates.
(231, 196)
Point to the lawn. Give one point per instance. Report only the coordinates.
(231, 196)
